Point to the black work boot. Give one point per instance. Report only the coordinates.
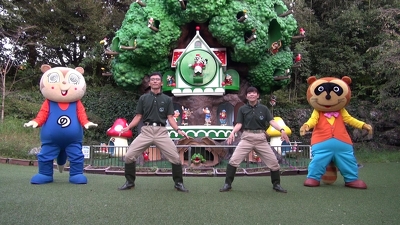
(177, 177)
(276, 181)
(130, 175)
(230, 175)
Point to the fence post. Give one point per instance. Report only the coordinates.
(91, 155)
(189, 155)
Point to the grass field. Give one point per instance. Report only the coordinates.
(154, 201)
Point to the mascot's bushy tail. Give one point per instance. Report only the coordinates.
(330, 175)
(61, 160)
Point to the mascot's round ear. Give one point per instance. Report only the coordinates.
(80, 70)
(45, 67)
(311, 80)
(347, 80)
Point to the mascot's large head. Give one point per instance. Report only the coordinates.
(328, 94)
(62, 84)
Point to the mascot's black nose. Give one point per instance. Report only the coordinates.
(328, 97)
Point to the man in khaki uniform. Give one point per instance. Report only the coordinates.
(154, 108)
(253, 118)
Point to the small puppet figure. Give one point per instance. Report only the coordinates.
(185, 116)
(292, 4)
(104, 42)
(62, 118)
(222, 117)
(272, 100)
(199, 65)
(176, 115)
(207, 116)
(330, 140)
(171, 81)
(228, 80)
(150, 22)
(275, 47)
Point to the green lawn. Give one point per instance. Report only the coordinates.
(154, 201)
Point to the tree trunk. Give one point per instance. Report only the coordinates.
(3, 96)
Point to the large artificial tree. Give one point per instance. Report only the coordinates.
(142, 49)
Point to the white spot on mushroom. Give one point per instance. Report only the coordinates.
(118, 127)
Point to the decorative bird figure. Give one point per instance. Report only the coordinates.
(302, 32)
(298, 58)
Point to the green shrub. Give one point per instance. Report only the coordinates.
(103, 106)
(23, 105)
(16, 141)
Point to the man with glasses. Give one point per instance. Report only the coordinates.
(154, 108)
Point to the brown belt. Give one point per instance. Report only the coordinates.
(255, 131)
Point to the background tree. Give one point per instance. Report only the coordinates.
(11, 33)
(354, 38)
(67, 33)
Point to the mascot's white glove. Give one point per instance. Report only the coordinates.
(31, 123)
(90, 124)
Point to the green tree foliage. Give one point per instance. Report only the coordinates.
(154, 48)
(359, 39)
(67, 33)
(386, 65)
(10, 18)
(347, 36)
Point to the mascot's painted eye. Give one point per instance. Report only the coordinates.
(336, 89)
(328, 88)
(53, 78)
(319, 90)
(73, 79)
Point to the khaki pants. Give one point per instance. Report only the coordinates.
(257, 142)
(157, 136)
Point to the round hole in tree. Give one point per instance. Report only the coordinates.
(248, 34)
(279, 72)
(274, 32)
(156, 24)
(239, 14)
(279, 9)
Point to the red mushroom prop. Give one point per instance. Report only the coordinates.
(146, 156)
(120, 141)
